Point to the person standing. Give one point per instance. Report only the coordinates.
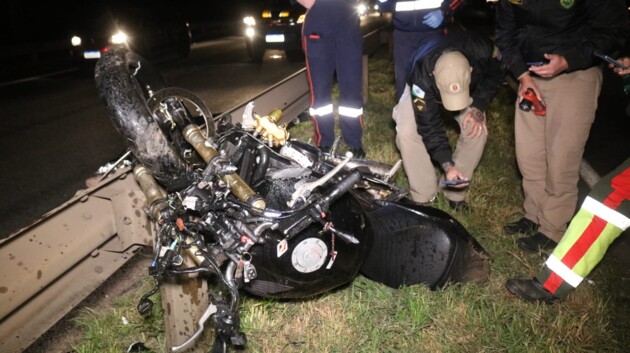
(332, 43)
(445, 70)
(549, 47)
(412, 21)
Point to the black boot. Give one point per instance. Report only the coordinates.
(522, 226)
(530, 290)
(536, 242)
(357, 152)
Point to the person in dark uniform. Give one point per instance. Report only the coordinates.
(549, 47)
(412, 20)
(460, 72)
(332, 42)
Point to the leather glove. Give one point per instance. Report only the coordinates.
(433, 19)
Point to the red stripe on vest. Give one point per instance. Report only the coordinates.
(455, 4)
(621, 192)
(553, 282)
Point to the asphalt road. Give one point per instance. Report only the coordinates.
(54, 131)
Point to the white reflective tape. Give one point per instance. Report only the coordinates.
(402, 6)
(606, 213)
(321, 111)
(563, 271)
(351, 112)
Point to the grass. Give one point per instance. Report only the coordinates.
(365, 316)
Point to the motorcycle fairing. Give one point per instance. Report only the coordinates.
(415, 244)
(293, 275)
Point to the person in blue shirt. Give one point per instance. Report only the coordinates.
(412, 20)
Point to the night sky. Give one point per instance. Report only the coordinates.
(22, 21)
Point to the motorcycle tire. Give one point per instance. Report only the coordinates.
(124, 81)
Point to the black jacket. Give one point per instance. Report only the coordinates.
(527, 29)
(486, 79)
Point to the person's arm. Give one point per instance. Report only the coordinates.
(608, 32)
(507, 39)
(429, 123)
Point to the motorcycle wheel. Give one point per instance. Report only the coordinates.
(125, 81)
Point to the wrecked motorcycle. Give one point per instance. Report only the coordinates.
(265, 214)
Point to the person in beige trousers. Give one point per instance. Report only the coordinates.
(550, 46)
(459, 72)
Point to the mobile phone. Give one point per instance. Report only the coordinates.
(536, 63)
(610, 60)
(455, 182)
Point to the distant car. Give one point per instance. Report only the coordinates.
(277, 26)
(152, 30)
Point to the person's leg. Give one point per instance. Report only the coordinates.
(571, 103)
(466, 156)
(604, 215)
(529, 133)
(404, 46)
(416, 161)
(320, 66)
(349, 52)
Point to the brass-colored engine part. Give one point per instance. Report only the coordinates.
(192, 134)
(153, 192)
(268, 127)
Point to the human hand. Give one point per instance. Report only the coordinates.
(433, 19)
(557, 64)
(476, 119)
(307, 3)
(625, 61)
(528, 82)
(453, 174)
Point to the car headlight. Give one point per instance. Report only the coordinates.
(300, 19)
(249, 20)
(266, 14)
(362, 9)
(119, 38)
(250, 32)
(283, 14)
(75, 40)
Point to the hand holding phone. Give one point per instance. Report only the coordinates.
(455, 182)
(536, 63)
(610, 60)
